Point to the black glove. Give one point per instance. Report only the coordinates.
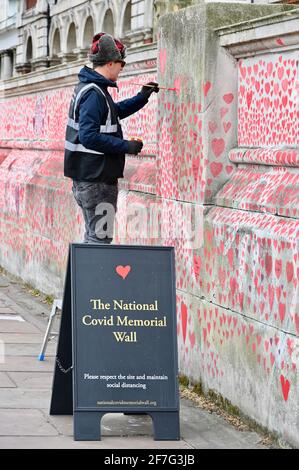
(134, 146)
(148, 90)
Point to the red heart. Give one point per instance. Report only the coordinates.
(249, 96)
(223, 112)
(280, 72)
(282, 311)
(227, 126)
(272, 359)
(285, 385)
(218, 146)
(192, 339)
(212, 126)
(284, 101)
(206, 88)
(230, 256)
(290, 271)
(285, 84)
(196, 266)
(268, 263)
(278, 293)
(216, 168)
(243, 71)
(184, 314)
(278, 268)
(123, 271)
(269, 68)
(233, 285)
(241, 299)
(228, 98)
(195, 167)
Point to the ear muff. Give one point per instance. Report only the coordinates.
(121, 47)
(95, 43)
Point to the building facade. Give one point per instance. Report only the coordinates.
(8, 38)
(37, 34)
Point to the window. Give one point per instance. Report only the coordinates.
(56, 48)
(30, 4)
(127, 18)
(88, 32)
(71, 38)
(29, 50)
(108, 24)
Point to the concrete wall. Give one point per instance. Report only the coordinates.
(228, 141)
(227, 165)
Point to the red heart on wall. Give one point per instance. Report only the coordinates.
(285, 385)
(243, 71)
(226, 126)
(216, 168)
(223, 112)
(123, 271)
(282, 311)
(212, 126)
(218, 146)
(228, 98)
(249, 96)
(206, 86)
(290, 271)
(184, 314)
(268, 264)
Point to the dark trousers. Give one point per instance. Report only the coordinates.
(98, 202)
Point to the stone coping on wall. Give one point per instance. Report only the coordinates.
(266, 156)
(268, 20)
(266, 189)
(277, 32)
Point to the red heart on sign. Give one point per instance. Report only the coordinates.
(123, 271)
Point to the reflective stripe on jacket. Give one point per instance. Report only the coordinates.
(94, 145)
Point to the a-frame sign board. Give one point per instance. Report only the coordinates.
(118, 331)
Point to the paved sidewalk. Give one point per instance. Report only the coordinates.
(25, 391)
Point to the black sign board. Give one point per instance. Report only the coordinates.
(121, 330)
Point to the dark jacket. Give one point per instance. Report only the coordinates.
(94, 146)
